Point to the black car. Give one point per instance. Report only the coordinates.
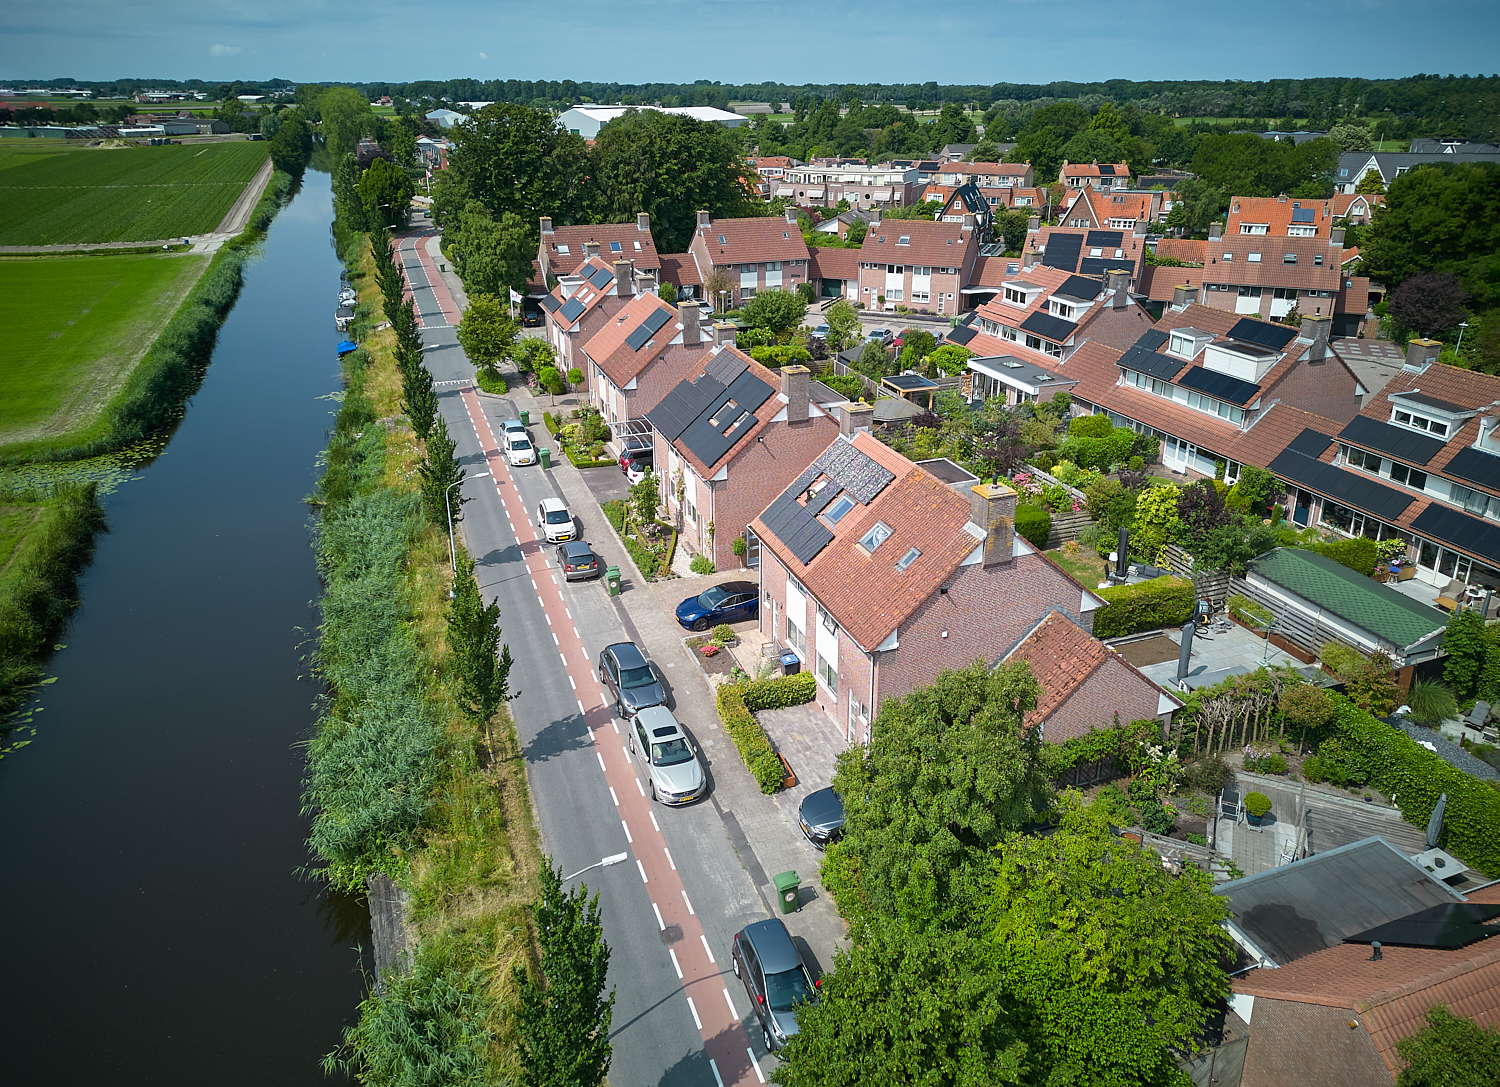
(766, 960)
(577, 560)
(731, 602)
(821, 817)
(624, 670)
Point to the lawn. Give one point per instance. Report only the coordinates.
(123, 194)
(75, 327)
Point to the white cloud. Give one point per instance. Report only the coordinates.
(224, 51)
(484, 56)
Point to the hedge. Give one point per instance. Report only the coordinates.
(1148, 605)
(1357, 554)
(1034, 523)
(778, 693)
(1414, 778)
(749, 738)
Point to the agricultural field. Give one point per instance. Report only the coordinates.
(75, 327)
(122, 194)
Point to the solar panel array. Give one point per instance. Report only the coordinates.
(600, 276)
(1398, 441)
(647, 328)
(1476, 466)
(1250, 330)
(1081, 288)
(1062, 251)
(1230, 389)
(1050, 327)
(1106, 239)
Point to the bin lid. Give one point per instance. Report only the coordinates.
(786, 880)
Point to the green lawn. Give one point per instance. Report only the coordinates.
(75, 326)
(122, 194)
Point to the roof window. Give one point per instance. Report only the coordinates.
(907, 559)
(878, 534)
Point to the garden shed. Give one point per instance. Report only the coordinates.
(1316, 600)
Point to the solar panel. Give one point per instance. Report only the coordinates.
(1050, 327)
(600, 276)
(1398, 441)
(1310, 443)
(1303, 215)
(1470, 534)
(1448, 926)
(1231, 389)
(1349, 488)
(1259, 332)
(1106, 239)
(1097, 266)
(571, 309)
(1062, 251)
(1146, 361)
(1476, 466)
(1081, 287)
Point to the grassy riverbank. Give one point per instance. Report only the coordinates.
(400, 779)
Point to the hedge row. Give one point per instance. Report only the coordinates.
(749, 738)
(1147, 605)
(778, 693)
(1034, 524)
(1414, 778)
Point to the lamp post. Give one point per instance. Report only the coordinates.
(1459, 346)
(448, 505)
(605, 863)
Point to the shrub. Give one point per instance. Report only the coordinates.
(780, 692)
(1358, 554)
(701, 564)
(750, 740)
(1034, 524)
(723, 634)
(1148, 605)
(1257, 804)
(1432, 702)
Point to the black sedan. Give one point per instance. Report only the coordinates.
(731, 602)
(577, 560)
(821, 817)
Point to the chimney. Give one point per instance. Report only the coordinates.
(687, 316)
(546, 224)
(968, 221)
(1215, 231)
(1421, 354)
(703, 219)
(992, 507)
(1033, 224)
(1182, 296)
(643, 222)
(795, 383)
(1336, 236)
(854, 417)
(1118, 281)
(791, 215)
(724, 332)
(624, 279)
(590, 249)
(1315, 332)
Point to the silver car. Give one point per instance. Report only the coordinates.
(658, 743)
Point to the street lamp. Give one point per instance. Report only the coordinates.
(447, 505)
(618, 858)
(1461, 326)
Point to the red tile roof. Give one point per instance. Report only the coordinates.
(635, 244)
(931, 243)
(752, 241)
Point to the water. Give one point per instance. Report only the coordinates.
(156, 931)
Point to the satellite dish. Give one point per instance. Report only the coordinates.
(1435, 824)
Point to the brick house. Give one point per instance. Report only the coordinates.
(639, 355)
(730, 436)
(1094, 175)
(879, 575)
(584, 300)
(920, 263)
(563, 248)
(756, 254)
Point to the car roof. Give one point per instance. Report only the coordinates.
(628, 654)
(577, 547)
(773, 945)
(659, 717)
(552, 505)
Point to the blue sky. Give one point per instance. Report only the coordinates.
(734, 41)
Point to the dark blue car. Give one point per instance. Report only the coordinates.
(731, 602)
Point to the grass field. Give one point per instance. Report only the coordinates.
(123, 194)
(75, 327)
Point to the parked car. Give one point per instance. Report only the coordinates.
(731, 602)
(820, 332)
(821, 817)
(624, 670)
(638, 469)
(673, 773)
(555, 520)
(765, 959)
(577, 560)
(881, 335)
(519, 450)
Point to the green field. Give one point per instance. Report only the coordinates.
(122, 194)
(75, 327)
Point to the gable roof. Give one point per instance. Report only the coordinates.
(635, 244)
(1369, 605)
(752, 241)
(929, 243)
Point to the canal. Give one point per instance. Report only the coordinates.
(157, 929)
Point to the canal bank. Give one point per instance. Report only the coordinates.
(160, 933)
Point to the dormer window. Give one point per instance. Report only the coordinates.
(878, 534)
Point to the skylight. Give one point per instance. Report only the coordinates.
(878, 534)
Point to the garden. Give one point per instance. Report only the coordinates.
(649, 541)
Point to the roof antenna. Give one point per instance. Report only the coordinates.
(1375, 949)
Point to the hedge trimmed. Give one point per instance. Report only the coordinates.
(778, 693)
(1414, 778)
(1148, 605)
(749, 738)
(1034, 523)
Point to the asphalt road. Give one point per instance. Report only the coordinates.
(671, 909)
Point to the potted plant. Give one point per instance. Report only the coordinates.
(1258, 808)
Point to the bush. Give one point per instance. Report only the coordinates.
(1432, 702)
(1034, 524)
(780, 692)
(1148, 605)
(701, 564)
(1360, 554)
(1257, 804)
(723, 634)
(750, 740)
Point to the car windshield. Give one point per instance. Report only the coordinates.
(788, 988)
(558, 517)
(671, 753)
(713, 597)
(637, 677)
